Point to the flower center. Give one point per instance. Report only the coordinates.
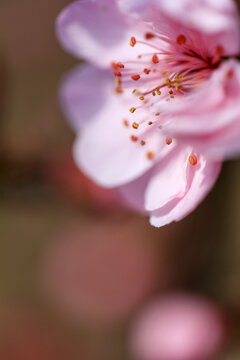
(168, 71)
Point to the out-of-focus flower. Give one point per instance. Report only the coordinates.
(99, 272)
(177, 327)
(129, 134)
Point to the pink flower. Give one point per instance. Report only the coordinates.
(177, 327)
(129, 134)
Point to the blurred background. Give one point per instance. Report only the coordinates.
(81, 277)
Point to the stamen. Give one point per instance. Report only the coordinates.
(134, 138)
(120, 65)
(132, 110)
(168, 140)
(117, 73)
(141, 98)
(133, 41)
(119, 90)
(193, 160)
(150, 123)
(135, 125)
(117, 81)
(155, 59)
(147, 71)
(150, 155)
(149, 36)
(135, 77)
(143, 143)
(181, 40)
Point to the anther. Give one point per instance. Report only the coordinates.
(134, 138)
(132, 109)
(150, 155)
(135, 125)
(119, 90)
(158, 92)
(117, 81)
(168, 140)
(117, 73)
(141, 98)
(126, 122)
(133, 41)
(134, 90)
(181, 40)
(120, 65)
(143, 142)
(147, 71)
(150, 123)
(153, 93)
(155, 59)
(193, 160)
(135, 77)
(157, 114)
(149, 36)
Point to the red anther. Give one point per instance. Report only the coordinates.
(134, 138)
(117, 73)
(150, 155)
(193, 160)
(135, 77)
(114, 66)
(120, 65)
(168, 140)
(133, 41)
(181, 40)
(119, 90)
(149, 36)
(147, 71)
(126, 122)
(155, 59)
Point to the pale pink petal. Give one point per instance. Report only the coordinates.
(198, 181)
(104, 149)
(97, 31)
(210, 118)
(83, 92)
(216, 22)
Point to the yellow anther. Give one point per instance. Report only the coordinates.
(141, 98)
(117, 81)
(177, 79)
(157, 114)
(135, 125)
(158, 92)
(132, 110)
(134, 91)
(143, 142)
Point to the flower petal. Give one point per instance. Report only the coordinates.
(215, 21)
(199, 181)
(83, 92)
(97, 31)
(210, 118)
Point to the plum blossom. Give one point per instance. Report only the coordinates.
(155, 109)
(178, 326)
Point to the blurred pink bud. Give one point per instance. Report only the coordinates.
(177, 327)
